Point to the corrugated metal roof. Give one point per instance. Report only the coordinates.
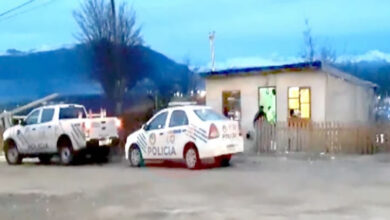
(316, 65)
(259, 70)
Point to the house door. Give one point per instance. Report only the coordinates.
(267, 99)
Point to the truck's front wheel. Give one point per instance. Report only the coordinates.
(12, 154)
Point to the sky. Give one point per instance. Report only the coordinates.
(248, 32)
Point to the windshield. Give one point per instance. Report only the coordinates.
(209, 115)
(72, 112)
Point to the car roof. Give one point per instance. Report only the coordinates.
(187, 107)
(183, 107)
(61, 106)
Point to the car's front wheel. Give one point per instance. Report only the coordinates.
(135, 157)
(12, 154)
(191, 157)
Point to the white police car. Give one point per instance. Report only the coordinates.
(189, 133)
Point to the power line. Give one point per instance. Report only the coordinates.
(16, 8)
(28, 10)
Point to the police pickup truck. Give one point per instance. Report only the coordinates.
(190, 133)
(63, 129)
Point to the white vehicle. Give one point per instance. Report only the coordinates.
(189, 133)
(60, 129)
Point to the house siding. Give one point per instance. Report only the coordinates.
(348, 102)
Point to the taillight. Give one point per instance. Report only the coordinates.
(118, 123)
(213, 132)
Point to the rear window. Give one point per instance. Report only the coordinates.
(209, 115)
(72, 112)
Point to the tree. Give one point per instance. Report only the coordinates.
(308, 52)
(325, 53)
(111, 39)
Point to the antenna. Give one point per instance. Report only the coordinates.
(212, 49)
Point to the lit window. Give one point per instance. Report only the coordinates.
(299, 102)
(231, 104)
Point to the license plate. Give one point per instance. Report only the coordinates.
(104, 142)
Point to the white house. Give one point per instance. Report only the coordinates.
(309, 91)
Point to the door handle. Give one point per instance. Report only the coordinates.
(161, 133)
(33, 129)
(49, 126)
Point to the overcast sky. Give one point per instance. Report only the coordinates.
(248, 32)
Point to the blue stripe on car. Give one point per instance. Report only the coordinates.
(200, 134)
(199, 137)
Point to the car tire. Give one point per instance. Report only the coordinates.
(191, 158)
(66, 153)
(45, 159)
(12, 154)
(135, 157)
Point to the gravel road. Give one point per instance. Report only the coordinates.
(265, 187)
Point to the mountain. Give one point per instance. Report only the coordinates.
(374, 70)
(27, 76)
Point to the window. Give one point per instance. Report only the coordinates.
(178, 118)
(33, 118)
(267, 102)
(299, 104)
(72, 112)
(231, 104)
(158, 122)
(209, 115)
(47, 115)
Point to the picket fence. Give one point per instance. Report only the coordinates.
(327, 137)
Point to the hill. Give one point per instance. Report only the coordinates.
(27, 76)
(376, 71)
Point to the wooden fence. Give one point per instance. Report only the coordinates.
(328, 137)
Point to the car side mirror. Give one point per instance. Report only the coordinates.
(145, 127)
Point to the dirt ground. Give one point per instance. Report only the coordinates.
(272, 187)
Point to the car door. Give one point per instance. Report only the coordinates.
(155, 136)
(29, 133)
(176, 133)
(46, 131)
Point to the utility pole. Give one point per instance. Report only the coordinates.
(212, 49)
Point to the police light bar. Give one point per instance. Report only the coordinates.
(173, 104)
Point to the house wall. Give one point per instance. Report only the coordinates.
(317, 83)
(348, 102)
(249, 84)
